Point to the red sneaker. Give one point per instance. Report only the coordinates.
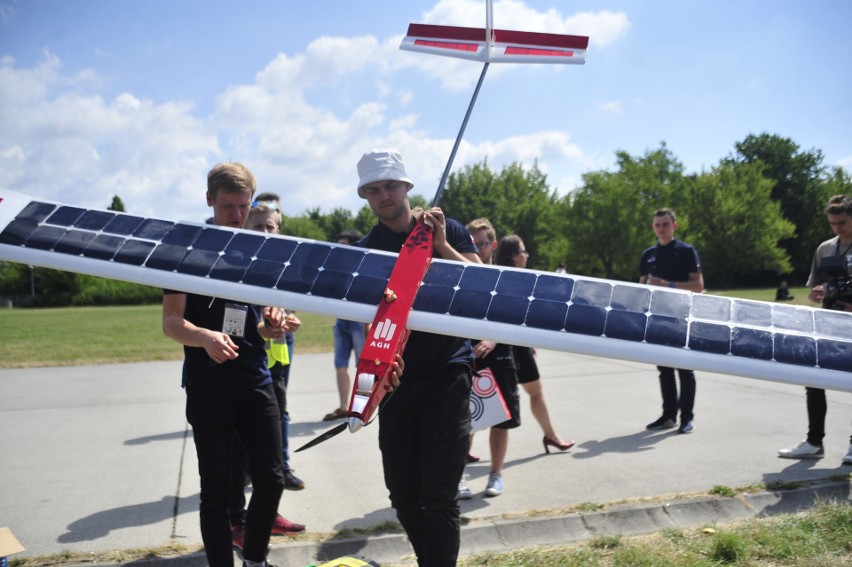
(283, 526)
(238, 536)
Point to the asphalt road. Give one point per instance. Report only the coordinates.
(101, 458)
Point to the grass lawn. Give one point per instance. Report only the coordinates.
(75, 336)
(800, 295)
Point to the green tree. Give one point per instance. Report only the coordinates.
(333, 223)
(516, 201)
(364, 220)
(609, 217)
(736, 225)
(471, 193)
(15, 278)
(799, 187)
(303, 227)
(55, 288)
(117, 205)
(839, 182)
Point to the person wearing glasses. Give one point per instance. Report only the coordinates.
(512, 252)
(425, 423)
(675, 264)
(499, 359)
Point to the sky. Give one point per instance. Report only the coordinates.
(140, 98)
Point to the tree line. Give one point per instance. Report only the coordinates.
(755, 217)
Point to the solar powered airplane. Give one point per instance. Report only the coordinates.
(411, 291)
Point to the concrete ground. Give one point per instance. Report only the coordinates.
(101, 458)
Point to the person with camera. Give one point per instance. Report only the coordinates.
(831, 289)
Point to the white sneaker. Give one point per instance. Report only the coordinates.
(464, 490)
(803, 450)
(495, 484)
(847, 458)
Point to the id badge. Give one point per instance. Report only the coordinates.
(235, 320)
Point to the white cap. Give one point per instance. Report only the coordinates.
(380, 165)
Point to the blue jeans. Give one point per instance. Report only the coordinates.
(216, 417)
(423, 436)
(348, 337)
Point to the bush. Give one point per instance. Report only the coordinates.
(100, 291)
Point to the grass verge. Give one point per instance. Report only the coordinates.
(735, 541)
(820, 537)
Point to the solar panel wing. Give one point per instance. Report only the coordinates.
(785, 343)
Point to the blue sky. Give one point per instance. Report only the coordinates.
(140, 98)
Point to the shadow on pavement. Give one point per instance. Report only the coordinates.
(100, 524)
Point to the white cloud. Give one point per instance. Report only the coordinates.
(300, 125)
(61, 141)
(603, 28)
(613, 107)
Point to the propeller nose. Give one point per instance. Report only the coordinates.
(355, 424)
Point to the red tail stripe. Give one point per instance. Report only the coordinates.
(538, 52)
(447, 45)
(500, 36)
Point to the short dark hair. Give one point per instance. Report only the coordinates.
(838, 205)
(268, 196)
(665, 211)
(349, 235)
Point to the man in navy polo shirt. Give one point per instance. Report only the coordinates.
(674, 264)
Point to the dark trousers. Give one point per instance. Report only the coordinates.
(215, 416)
(237, 506)
(423, 436)
(668, 388)
(817, 408)
(281, 378)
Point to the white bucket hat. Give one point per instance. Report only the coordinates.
(380, 165)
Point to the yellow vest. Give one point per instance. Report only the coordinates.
(277, 352)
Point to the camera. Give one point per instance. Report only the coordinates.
(834, 270)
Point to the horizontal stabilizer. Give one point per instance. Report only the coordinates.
(505, 46)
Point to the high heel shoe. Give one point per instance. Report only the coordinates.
(548, 443)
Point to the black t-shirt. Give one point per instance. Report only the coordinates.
(248, 370)
(673, 262)
(426, 353)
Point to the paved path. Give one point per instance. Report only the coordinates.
(101, 458)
